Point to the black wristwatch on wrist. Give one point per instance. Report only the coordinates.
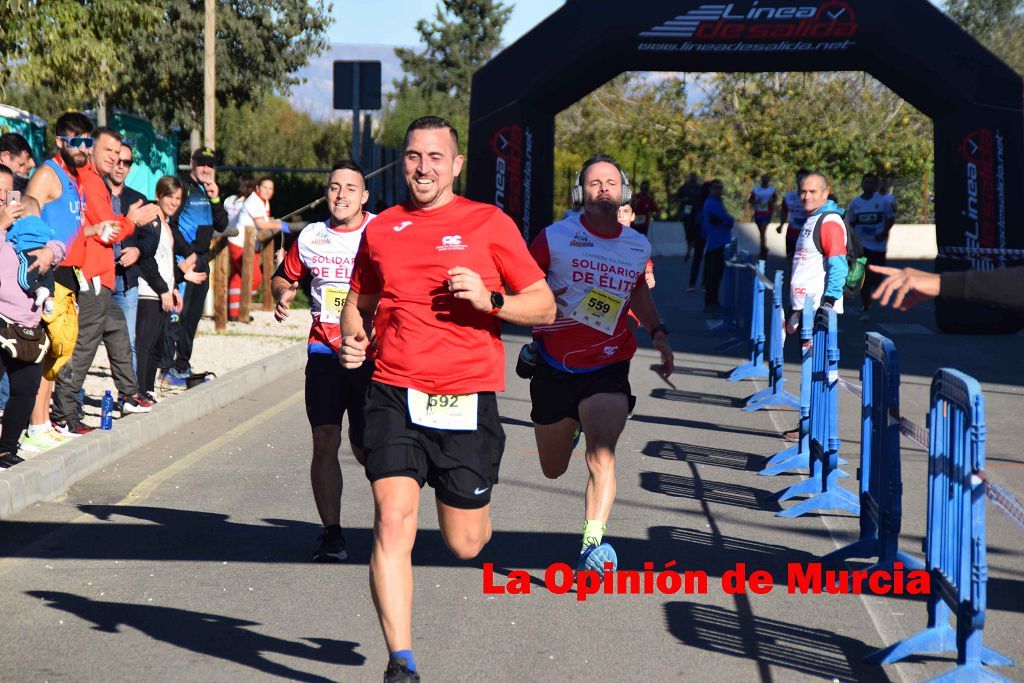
(497, 301)
(660, 327)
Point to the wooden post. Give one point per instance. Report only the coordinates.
(245, 289)
(269, 266)
(221, 274)
(748, 210)
(209, 72)
(924, 199)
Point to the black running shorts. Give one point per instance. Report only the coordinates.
(556, 394)
(331, 391)
(461, 466)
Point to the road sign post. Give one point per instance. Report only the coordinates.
(357, 87)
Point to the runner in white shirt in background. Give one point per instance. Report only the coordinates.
(793, 212)
(255, 212)
(870, 215)
(326, 252)
(762, 198)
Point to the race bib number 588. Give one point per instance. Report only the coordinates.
(332, 300)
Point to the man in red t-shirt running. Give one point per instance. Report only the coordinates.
(325, 252)
(432, 272)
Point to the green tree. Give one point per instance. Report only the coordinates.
(739, 126)
(260, 45)
(462, 37)
(998, 24)
(72, 47)
(272, 134)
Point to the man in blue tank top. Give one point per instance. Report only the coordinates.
(55, 186)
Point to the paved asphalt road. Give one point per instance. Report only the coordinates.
(187, 560)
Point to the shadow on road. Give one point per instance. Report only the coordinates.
(698, 424)
(709, 491)
(705, 455)
(188, 536)
(808, 651)
(213, 635)
(697, 397)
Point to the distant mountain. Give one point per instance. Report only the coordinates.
(315, 95)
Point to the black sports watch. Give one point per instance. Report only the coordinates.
(660, 327)
(497, 301)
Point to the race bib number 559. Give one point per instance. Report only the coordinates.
(599, 310)
(443, 411)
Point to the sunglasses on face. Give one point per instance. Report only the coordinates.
(127, 163)
(76, 141)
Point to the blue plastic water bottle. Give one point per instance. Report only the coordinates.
(107, 420)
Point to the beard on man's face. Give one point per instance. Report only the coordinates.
(73, 158)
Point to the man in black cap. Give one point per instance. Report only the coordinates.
(201, 213)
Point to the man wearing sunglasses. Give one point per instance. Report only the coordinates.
(139, 245)
(55, 185)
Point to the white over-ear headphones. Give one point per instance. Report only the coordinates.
(576, 194)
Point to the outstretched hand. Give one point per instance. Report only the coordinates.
(905, 287)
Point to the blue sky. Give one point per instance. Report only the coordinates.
(393, 22)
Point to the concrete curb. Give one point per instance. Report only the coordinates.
(50, 474)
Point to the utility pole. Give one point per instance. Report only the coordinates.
(209, 72)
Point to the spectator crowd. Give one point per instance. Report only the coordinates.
(86, 259)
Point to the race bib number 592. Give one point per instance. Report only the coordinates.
(443, 411)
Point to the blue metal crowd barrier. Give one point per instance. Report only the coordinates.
(729, 324)
(955, 538)
(774, 394)
(824, 425)
(737, 309)
(754, 367)
(881, 480)
(798, 456)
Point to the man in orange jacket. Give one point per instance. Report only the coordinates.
(98, 318)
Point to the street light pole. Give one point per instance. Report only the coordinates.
(209, 72)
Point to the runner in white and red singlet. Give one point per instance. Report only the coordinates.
(762, 199)
(793, 212)
(596, 268)
(326, 252)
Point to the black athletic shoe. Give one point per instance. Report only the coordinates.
(332, 546)
(10, 460)
(398, 672)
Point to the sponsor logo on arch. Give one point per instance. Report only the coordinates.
(756, 26)
(984, 210)
(513, 159)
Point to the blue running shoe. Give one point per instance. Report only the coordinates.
(576, 437)
(594, 557)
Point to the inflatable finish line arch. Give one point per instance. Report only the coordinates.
(974, 99)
